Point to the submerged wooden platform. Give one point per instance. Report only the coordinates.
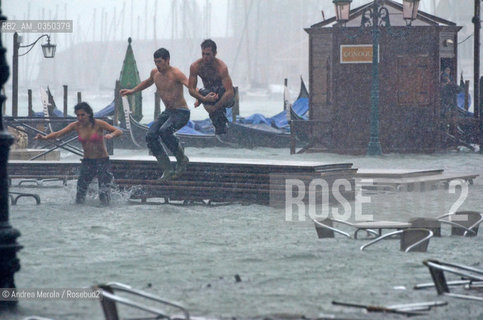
(213, 179)
(267, 182)
(411, 179)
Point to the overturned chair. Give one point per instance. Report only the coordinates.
(109, 299)
(472, 279)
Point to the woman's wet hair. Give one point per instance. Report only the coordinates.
(87, 108)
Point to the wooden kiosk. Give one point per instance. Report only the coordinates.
(410, 61)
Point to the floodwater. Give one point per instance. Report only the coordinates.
(192, 254)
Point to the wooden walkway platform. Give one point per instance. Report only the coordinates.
(239, 180)
(412, 179)
(212, 179)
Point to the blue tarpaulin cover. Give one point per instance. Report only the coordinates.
(460, 99)
(106, 111)
(279, 121)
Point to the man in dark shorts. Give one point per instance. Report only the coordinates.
(218, 93)
(169, 83)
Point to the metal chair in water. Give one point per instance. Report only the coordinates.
(412, 239)
(14, 196)
(325, 228)
(109, 301)
(463, 223)
(472, 279)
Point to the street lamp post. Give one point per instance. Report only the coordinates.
(373, 16)
(9, 263)
(48, 50)
(374, 147)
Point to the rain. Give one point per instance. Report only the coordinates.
(249, 228)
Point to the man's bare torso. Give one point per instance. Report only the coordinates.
(170, 89)
(210, 74)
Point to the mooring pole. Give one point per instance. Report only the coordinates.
(66, 92)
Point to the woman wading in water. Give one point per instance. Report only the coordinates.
(96, 159)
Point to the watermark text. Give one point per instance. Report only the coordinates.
(37, 26)
(14, 294)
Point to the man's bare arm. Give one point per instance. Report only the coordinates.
(193, 82)
(143, 85)
(229, 92)
(182, 78)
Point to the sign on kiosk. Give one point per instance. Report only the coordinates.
(356, 53)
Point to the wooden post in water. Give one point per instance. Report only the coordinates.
(65, 100)
(117, 102)
(4, 105)
(157, 105)
(292, 138)
(235, 111)
(285, 91)
(51, 105)
(79, 97)
(467, 95)
(30, 111)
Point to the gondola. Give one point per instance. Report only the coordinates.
(135, 137)
(237, 136)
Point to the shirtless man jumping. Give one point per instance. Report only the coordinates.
(169, 83)
(218, 93)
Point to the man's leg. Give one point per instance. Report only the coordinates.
(104, 178)
(87, 173)
(181, 161)
(177, 120)
(152, 139)
(218, 117)
(219, 120)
